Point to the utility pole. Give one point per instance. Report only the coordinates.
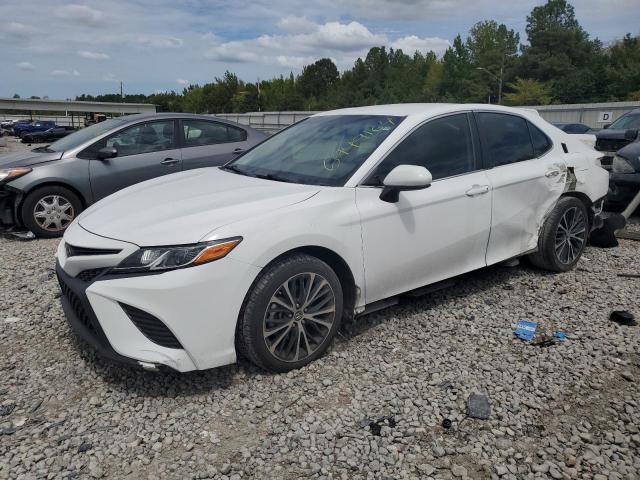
(121, 95)
(497, 77)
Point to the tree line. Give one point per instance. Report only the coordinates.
(559, 63)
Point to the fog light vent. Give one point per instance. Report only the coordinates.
(151, 327)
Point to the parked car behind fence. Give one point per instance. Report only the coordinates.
(46, 188)
(620, 144)
(48, 136)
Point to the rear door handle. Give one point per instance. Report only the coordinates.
(169, 162)
(238, 151)
(552, 173)
(477, 190)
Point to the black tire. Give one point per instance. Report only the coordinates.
(250, 336)
(28, 210)
(547, 257)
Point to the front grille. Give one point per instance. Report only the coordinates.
(610, 144)
(90, 275)
(80, 311)
(151, 327)
(73, 251)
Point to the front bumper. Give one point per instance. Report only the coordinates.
(622, 188)
(198, 305)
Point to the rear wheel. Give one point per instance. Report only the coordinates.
(291, 314)
(563, 237)
(48, 211)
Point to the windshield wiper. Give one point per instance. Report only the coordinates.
(275, 178)
(44, 149)
(234, 168)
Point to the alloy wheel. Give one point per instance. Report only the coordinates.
(571, 235)
(53, 213)
(299, 317)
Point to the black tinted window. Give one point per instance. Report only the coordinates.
(201, 132)
(141, 138)
(444, 146)
(541, 142)
(506, 138)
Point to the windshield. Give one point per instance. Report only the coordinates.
(627, 121)
(78, 138)
(323, 150)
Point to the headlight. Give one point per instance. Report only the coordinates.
(169, 258)
(9, 174)
(621, 165)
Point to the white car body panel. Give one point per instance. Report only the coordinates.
(456, 225)
(427, 236)
(182, 208)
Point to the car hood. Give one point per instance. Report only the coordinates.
(27, 159)
(184, 207)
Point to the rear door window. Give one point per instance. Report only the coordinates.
(201, 132)
(505, 138)
(541, 143)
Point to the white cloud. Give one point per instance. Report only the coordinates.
(294, 62)
(64, 73)
(80, 14)
(182, 81)
(17, 29)
(296, 50)
(292, 23)
(158, 41)
(109, 77)
(232, 52)
(93, 55)
(411, 43)
(25, 66)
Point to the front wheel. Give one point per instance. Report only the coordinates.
(291, 314)
(563, 236)
(48, 211)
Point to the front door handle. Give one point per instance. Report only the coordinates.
(552, 173)
(238, 151)
(170, 162)
(477, 190)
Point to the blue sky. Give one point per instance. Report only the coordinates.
(62, 49)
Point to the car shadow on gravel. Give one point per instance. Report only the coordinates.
(171, 384)
(468, 284)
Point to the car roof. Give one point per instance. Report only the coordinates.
(159, 115)
(424, 110)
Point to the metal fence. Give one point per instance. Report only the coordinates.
(595, 115)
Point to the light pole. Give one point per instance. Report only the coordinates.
(498, 78)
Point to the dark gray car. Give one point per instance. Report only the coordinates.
(46, 188)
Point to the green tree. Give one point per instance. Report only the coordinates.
(318, 78)
(561, 52)
(492, 48)
(528, 92)
(623, 69)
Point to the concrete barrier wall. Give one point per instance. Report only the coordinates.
(595, 115)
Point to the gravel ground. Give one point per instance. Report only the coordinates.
(570, 410)
(14, 145)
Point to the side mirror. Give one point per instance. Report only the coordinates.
(107, 152)
(404, 177)
(605, 126)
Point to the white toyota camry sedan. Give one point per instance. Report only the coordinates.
(333, 217)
